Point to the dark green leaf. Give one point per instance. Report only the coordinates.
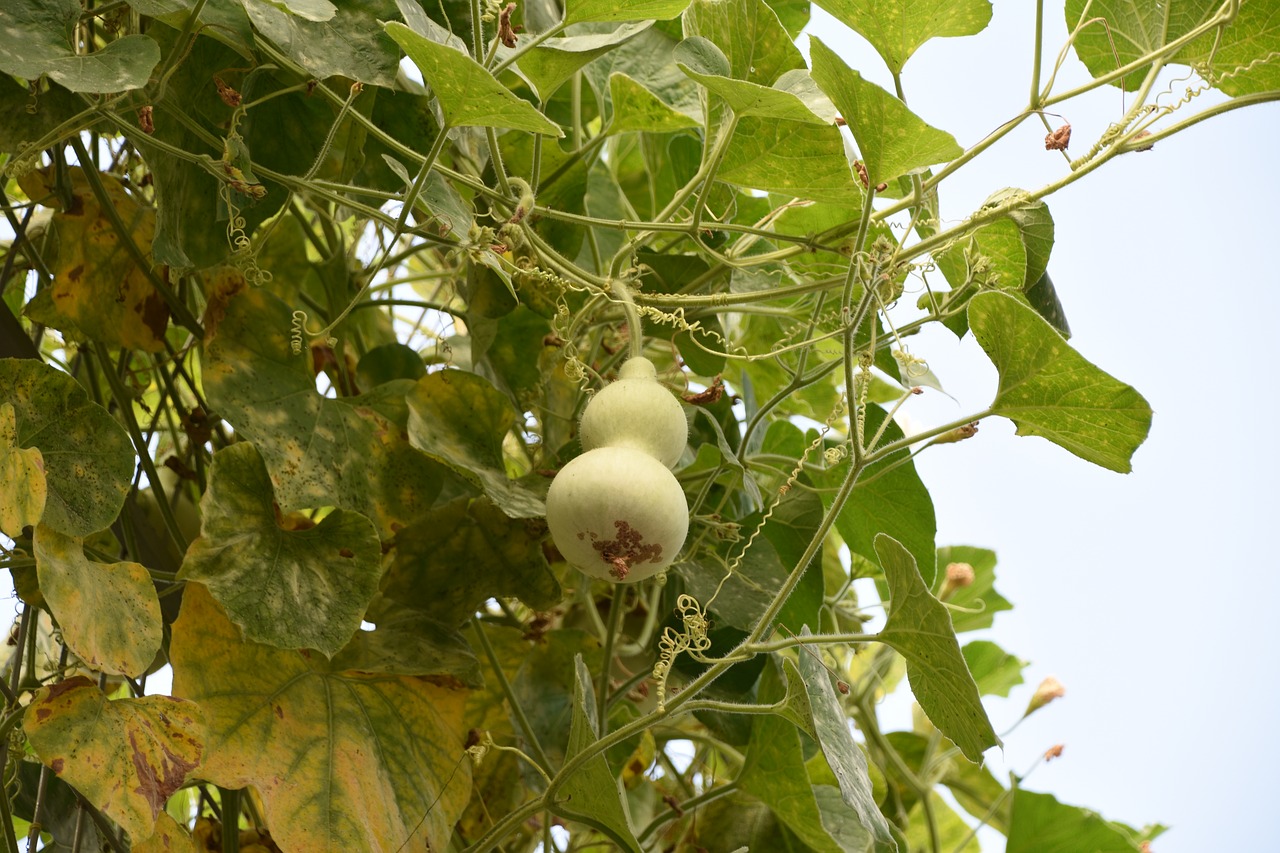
(349, 43)
(224, 20)
(893, 140)
(897, 28)
(919, 628)
(464, 553)
(592, 794)
(388, 363)
(1050, 390)
(461, 420)
(28, 117)
(347, 452)
(843, 755)
(37, 38)
(1041, 824)
(468, 94)
(410, 643)
(1043, 297)
(289, 587)
(994, 670)
(88, 457)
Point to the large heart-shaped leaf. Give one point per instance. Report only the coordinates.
(1049, 389)
(344, 761)
(702, 61)
(303, 588)
(37, 38)
(919, 627)
(578, 11)
(125, 756)
(1121, 31)
(897, 28)
(350, 452)
(79, 590)
(748, 32)
(344, 42)
(88, 458)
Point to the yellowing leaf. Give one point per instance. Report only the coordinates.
(97, 286)
(22, 484)
(294, 589)
(169, 837)
(125, 756)
(108, 612)
(343, 760)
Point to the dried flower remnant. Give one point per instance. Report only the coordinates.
(1053, 752)
(506, 32)
(1059, 139)
(1049, 689)
(146, 120)
(229, 96)
(958, 575)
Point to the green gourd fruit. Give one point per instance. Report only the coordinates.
(638, 412)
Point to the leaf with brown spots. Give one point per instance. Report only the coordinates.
(98, 287)
(23, 489)
(125, 756)
(79, 591)
(169, 837)
(289, 585)
(344, 761)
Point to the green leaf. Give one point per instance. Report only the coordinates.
(125, 756)
(897, 28)
(1244, 57)
(889, 498)
(461, 420)
(410, 643)
(342, 760)
(78, 590)
(311, 10)
(349, 43)
(23, 489)
(554, 61)
(28, 117)
(465, 552)
(748, 32)
(88, 457)
(1132, 29)
(976, 604)
(635, 108)
(919, 628)
(1041, 824)
(798, 707)
(893, 140)
(577, 11)
(775, 773)
(702, 61)
(37, 37)
(1043, 297)
(347, 452)
(843, 755)
(1048, 389)
(224, 20)
(994, 670)
(978, 792)
(954, 835)
(468, 95)
(797, 159)
(294, 587)
(592, 794)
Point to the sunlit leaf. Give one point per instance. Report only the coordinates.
(978, 792)
(465, 552)
(749, 34)
(292, 588)
(461, 420)
(976, 604)
(636, 108)
(698, 57)
(919, 628)
(23, 489)
(953, 834)
(1245, 54)
(897, 28)
(468, 94)
(592, 794)
(169, 837)
(554, 61)
(994, 670)
(842, 752)
(1049, 389)
(97, 286)
(792, 158)
(893, 140)
(1121, 31)
(125, 756)
(348, 42)
(577, 11)
(79, 590)
(88, 458)
(342, 760)
(37, 37)
(348, 452)
(1041, 824)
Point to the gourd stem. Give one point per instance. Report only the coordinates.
(634, 326)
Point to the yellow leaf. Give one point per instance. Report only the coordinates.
(98, 288)
(22, 485)
(344, 761)
(109, 612)
(126, 756)
(169, 837)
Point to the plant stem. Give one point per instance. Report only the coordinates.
(616, 606)
(526, 728)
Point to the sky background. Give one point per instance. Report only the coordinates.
(1151, 595)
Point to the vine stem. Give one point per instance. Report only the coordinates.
(616, 606)
(523, 721)
(634, 324)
